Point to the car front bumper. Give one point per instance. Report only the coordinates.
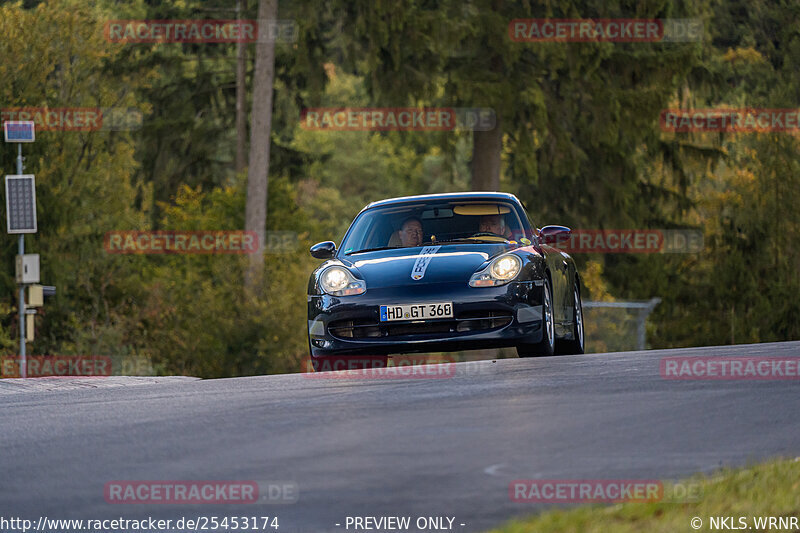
(484, 317)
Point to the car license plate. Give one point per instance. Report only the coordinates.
(390, 313)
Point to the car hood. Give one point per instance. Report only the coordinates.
(427, 264)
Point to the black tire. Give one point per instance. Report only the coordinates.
(547, 344)
(577, 344)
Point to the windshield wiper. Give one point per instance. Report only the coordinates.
(463, 240)
(466, 240)
(373, 249)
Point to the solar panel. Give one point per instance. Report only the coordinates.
(19, 131)
(21, 203)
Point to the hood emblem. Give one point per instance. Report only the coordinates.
(422, 262)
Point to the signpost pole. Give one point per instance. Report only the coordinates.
(23, 363)
(21, 219)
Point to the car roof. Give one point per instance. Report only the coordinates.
(474, 195)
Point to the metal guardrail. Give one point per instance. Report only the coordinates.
(645, 308)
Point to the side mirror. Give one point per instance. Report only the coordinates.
(550, 234)
(323, 250)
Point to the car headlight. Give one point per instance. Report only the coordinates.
(499, 272)
(338, 281)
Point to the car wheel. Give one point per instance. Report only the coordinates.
(547, 344)
(575, 345)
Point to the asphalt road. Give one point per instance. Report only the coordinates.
(390, 447)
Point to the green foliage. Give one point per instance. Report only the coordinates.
(85, 183)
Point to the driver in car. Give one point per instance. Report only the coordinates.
(494, 224)
(409, 235)
(411, 232)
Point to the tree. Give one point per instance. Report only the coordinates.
(241, 98)
(569, 115)
(260, 133)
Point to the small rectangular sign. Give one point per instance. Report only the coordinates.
(19, 131)
(21, 203)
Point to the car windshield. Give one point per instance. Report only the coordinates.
(407, 226)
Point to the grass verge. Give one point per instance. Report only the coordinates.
(770, 489)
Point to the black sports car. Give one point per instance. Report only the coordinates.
(443, 272)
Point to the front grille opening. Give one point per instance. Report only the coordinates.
(469, 321)
(350, 329)
(481, 320)
(422, 328)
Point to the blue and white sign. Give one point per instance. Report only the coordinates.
(19, 131)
